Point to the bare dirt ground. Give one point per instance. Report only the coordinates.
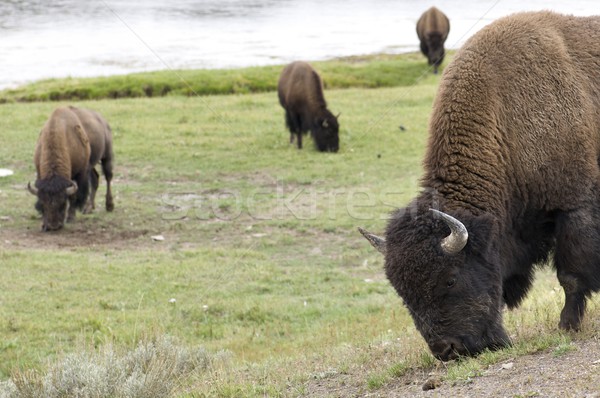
(76, 235)
(575, 373)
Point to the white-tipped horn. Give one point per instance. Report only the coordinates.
(31, 189)
(457, 240)
(377, 242)
(72, 189)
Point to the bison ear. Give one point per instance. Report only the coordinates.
(377, 242)
(72, 189)
(31, 189)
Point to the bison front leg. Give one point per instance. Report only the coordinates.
(575, 301)
(72, 209)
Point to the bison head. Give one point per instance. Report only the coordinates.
(325, 132)
(449, 278)
(52, 201)
(435, 50)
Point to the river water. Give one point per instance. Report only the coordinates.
(60, 38)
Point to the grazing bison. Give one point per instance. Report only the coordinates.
(301, 95)
(512, 167)
(432, 28)
(70, 144)
(100, 137)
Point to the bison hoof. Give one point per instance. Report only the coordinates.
(570, 325)
(88, 210)
(110, 207)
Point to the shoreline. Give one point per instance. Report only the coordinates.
(366, 70)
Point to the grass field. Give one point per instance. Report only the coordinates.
(260, 260)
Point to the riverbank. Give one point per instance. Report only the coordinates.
(368, 71)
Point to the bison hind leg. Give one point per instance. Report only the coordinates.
(294, 125)
(94, 182)
(108, 174)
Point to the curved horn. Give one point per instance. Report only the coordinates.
(377, 242)
(457, 240)
(31, 189)
(72, 189)
(325, 124)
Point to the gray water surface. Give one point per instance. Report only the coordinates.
(44, 39)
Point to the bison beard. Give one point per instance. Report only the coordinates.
(512, 156)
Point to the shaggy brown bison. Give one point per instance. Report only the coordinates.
(71, 142)
(301, 95)
(512, 165)
(432, 29)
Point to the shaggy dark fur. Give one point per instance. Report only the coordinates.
(432, 29)
(513, 154)
(61, 159)
(100, 136)
(301, 95)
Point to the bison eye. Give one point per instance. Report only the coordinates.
(451, 282)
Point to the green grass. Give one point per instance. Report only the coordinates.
(261, 253)
(367, 71)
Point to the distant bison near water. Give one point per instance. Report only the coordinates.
(432, 29)
(511, 178)
(63, 160)
(301, 95)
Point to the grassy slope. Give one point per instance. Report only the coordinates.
(260, 251)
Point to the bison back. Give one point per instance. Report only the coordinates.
(63, 148)
(433, 21)
(519, 105)
(98, 132)
(300, 88)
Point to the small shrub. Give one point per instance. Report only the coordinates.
(153, 369)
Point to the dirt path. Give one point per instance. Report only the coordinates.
(576, 373)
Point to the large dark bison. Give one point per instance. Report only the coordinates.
(71, 142)
(511, 179)
(432, 29)
(300, 93)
